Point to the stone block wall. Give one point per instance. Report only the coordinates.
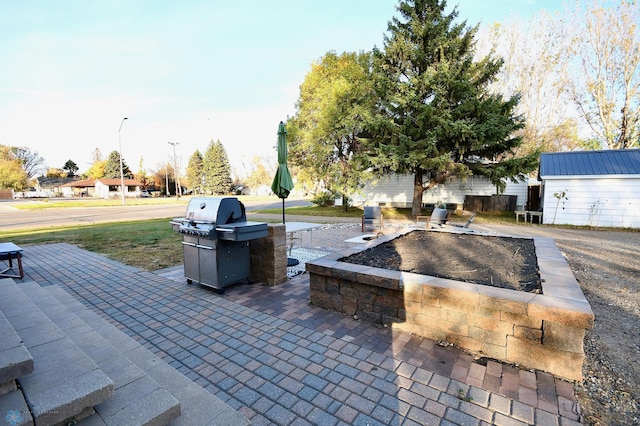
(541, 331)
(269, 256)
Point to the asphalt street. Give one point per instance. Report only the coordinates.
(11, 218)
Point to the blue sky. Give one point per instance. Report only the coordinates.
(187, 72)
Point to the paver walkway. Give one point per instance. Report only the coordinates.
(279, 360)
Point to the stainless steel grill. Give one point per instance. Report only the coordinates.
(215, 241)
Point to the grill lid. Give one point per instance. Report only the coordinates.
(215, 210)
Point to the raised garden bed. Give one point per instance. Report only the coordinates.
(537, 330)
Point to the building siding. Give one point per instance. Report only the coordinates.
(397, 191)
(606, 202)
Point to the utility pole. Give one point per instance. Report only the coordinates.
(175, 169)
(166, 179)
(120, 154)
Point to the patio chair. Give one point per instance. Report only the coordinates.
(467, 223)
(438, 218)
(372, 216)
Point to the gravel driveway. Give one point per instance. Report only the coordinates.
(607, 266)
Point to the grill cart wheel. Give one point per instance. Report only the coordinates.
(189, 281)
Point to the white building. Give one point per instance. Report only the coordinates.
(397, 191)
(594, 188)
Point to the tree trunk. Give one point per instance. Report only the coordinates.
(418, 190)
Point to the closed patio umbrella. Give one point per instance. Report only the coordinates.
(282, 183)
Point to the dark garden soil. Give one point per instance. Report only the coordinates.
(495, 261)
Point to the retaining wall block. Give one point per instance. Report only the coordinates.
(563, 337)
(494, 351)
(567, 365)
(408, 327)
(325, 300)
(317, 282)
(527, 333)
(332, 286)
(349, 306)
(491, 323)
(523, 320)
(413, 307)
(491, 337)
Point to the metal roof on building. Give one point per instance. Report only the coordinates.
(590, 163)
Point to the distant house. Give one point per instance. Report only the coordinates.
(44, 187)
(102, 188)
(595, 188)
(397, 191)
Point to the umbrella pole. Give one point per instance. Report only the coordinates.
(283, 210)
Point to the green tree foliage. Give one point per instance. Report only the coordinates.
(112, 167)
(71, 168)
(194, 172)
(325, 135)
(259, 175)
(12, 174)
(436, 118)
(216, 169)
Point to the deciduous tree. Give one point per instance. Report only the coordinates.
(54, 172)
(12, 174)
(96, 171)
(535, 56)
(32, 163)
(259, 174)
(142, 176)
(326, 134)
(605, 77)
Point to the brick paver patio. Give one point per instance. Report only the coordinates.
(279, 360)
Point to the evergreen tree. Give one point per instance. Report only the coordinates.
(436, 118)
(71, 168)
(216, 169)
(195, 172)
(112, 167)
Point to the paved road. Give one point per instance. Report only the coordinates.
(12, 219)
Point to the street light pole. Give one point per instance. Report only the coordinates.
(175, 169)
(121, 170)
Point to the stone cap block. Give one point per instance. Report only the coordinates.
(576, 313)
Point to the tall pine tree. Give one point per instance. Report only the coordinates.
(112, 167)
(216, 169)
(436, 118)
(194, 172)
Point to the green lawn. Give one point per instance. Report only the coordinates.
(152, 244)
(53, 203)
(148, 244)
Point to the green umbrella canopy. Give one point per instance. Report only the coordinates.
(282, 183)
